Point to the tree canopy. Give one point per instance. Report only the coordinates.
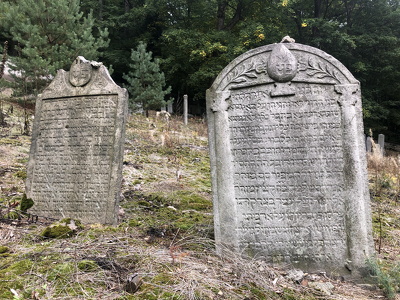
(194, 40)
(47, 36)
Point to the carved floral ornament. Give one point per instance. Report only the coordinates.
(281, 66)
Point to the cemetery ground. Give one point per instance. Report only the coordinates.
(162, 247)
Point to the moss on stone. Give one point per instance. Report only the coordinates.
(64, 229)
(57, 231)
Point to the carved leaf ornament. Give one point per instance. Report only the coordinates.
(247, 71)
(282, 66)
(317, 69)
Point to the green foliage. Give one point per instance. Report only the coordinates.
(195, 40)
(388, 278)
(26, 203)
(146, 81)
(47, 36)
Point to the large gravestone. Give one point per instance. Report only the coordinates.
(288, 160)
(75, 163)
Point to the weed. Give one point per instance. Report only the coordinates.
(387, 278)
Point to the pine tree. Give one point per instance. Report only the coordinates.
(48, 35)
(146, 81)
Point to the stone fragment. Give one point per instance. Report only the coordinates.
(133, 283)
(295, 275)
(325, 287)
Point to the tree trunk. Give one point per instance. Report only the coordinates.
(222, 4)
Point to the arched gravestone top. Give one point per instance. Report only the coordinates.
(288, 160)
(75, 160)
(313, 65)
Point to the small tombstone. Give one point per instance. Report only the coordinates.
(381, 143)
(288, 164)
(369, 144)
(75, 161)
(185, 109)
(170, 108)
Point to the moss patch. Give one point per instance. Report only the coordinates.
(64, 229)
(163, 215)
(4, 249)
(87, 265)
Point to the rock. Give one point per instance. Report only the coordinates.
(133, 283)
(324, 287)
(295, 275)
(63, 229)
(368, 287)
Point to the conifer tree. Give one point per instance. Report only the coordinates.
(146, 81)
(48, 35)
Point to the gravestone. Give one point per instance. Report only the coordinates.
(288, 162)
(369, 144)
(381, 143)
(185, 109)
(75, 162)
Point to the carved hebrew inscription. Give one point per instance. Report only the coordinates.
(73, 156)
(288, 166)
(288, 160)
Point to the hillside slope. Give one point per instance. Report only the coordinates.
(163, 243)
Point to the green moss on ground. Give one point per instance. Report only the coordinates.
(87, 265)
(161, 215)
(63, 229)
(4, 249)
(12, 277)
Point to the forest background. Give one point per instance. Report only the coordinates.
(194, 40)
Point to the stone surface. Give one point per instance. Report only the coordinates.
(75, 162)
(381, 143)
(325, 287)
(288, 162)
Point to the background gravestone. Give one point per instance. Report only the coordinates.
(288, 160)
(75, 163)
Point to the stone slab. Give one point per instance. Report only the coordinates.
(75, 162)
(288, 164)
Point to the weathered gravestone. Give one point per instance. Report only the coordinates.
(288, 160)
(75, 163)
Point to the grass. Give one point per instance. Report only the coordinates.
(165, 234)
(384, 174)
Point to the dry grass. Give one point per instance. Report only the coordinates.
(164, 157)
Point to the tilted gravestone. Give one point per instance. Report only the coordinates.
(288, 160)
(75, 162)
